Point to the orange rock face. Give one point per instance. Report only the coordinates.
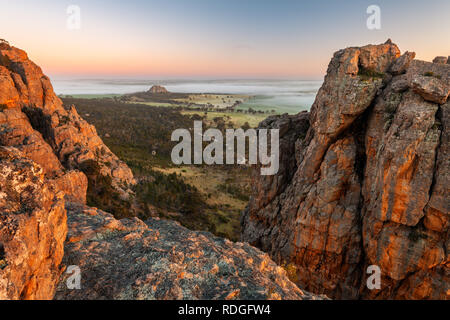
(34, 120)
(371, 182)
(32, 229)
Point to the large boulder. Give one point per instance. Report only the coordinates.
(402, 63)
(431, 88)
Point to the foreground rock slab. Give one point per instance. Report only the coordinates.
(130, 259)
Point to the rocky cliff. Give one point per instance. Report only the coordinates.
(363, 180)
(32, 229)
(34, 120)
(43, 147)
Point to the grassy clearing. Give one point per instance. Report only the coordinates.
(238, 119)
(90, 96)
(220, 101)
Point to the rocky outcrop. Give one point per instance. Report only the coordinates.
(158, 89)
(440, 59)
(33, 119)
(32, 229)
(130, 259)
(370, 181)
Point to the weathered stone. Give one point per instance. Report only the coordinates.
(437, 217)
(401, 64)
(431, 88)
(346, 93)
(16, 131)
(74, 184)
(400, 83)
(378, 58)
(399, 167)
(291, 127)
(440, 59)
(428, 69)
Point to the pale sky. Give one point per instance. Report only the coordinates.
(215, 38)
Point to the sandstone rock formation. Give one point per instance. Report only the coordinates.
(130, 259)
(158, 89)
(430, 88)
(366, 183)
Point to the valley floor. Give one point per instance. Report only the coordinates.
(209, 198)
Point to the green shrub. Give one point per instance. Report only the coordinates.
(367, 74)
(431, 74)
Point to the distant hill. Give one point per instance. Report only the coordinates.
(158, 89)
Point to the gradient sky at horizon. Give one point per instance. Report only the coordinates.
(215, 38)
